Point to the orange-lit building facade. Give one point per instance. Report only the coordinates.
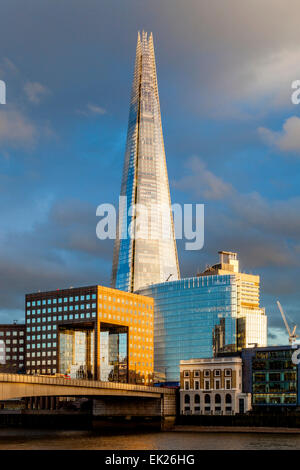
(90, 332)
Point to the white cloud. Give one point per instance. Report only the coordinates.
(202, 182)
(35, 91)
(286, 140)
(16, 128)
(92, 109)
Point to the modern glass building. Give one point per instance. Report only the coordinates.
(216, 312)
(90, 332)
(191, 316)
(271, 376)
(252, 319)
(148, 255)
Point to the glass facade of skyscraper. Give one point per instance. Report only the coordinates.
(193, 317)
(149, 254)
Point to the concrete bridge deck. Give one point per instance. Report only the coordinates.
(19, 386)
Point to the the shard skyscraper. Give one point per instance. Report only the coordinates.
(149, 255)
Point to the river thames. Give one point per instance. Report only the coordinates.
(33, 439)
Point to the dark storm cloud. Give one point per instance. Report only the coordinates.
(58, 253)
(224, 71)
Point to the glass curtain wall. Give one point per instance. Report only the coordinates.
(76, 357)
(113, 353)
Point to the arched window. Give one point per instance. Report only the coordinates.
(207, 398)
(197, 398)
(228, 398)
(186, 399)
(218, 398)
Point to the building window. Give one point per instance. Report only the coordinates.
(187, 399)
(196, 373)
(228, 372)
(228, 399)
(228, 384)
(207, 399)
(217, 384)
(218, 398)
(206, 385)
(197, 398)
(196, 385)
(186, 385)
(207, 373)
(217, 372)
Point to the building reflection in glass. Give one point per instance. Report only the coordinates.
(113, 353)
(76, 348)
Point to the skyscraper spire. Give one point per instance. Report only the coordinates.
(149, 256)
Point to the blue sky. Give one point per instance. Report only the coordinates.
(232, 136)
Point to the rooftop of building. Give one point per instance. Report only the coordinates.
(211, 360)
(270, 348)
(228, 263)
(82, 289)
(228, 278)
(12, 325)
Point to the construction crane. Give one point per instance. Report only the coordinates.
(292, 334)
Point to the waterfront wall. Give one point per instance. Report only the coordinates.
(253, 420)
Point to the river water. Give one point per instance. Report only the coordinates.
(32, 439)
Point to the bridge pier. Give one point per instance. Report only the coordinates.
(168, 411)
(147, 411)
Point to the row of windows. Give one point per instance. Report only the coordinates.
(130, 320)
(86, 297)
(125, 310)
(41, 345)
(3, 348)
(41, 353)
(49, 362)
(8, 357)
(41, 328)
(42, 371)
(60, 309)
(11, 333)
(207, 373)
(123, 301)
(207, 398)
(14, 341)
(38, 337)
(60, 300)
(207, 385)
(61, 317)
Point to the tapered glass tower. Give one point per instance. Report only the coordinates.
(145, 249)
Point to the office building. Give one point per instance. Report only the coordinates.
(212, 387)
(149, 255)
(186, 315)
(205, 315)
(12, 348)
(90, 332)
(252, 320)
(271, 376)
